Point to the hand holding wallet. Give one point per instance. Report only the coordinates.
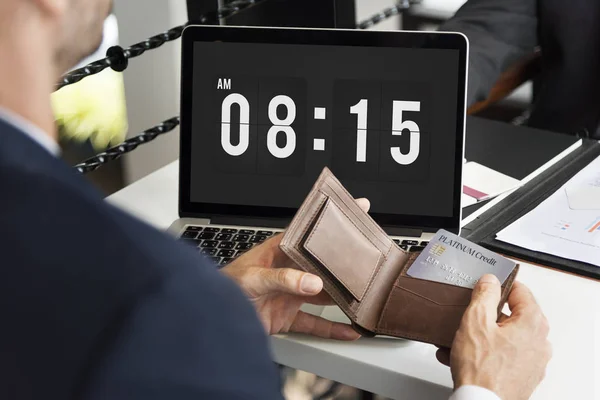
(364, 271)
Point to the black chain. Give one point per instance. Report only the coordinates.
(117, 58)
(387, 13)
(116, 152)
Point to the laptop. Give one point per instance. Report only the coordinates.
(264, 109)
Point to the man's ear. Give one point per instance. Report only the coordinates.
(53, 8)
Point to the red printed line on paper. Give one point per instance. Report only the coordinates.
(474, 193)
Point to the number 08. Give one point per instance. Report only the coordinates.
(279, 125)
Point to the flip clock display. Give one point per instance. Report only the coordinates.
(379, 129)
(271, 116)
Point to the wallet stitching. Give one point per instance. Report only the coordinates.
(387, 255)
(377, 269)
(320, 204)
(428, 299)
(374, 232)
(378, 263)
(387, 302)
(314, 214)
(296, 253)
(302, 260)
(430, 339)
(361, 232)
(308, 201)
(339, 301)
(372, 277)
(400, 333)
(362, 295)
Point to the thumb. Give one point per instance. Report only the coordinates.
(364, 204)
(288, 280)
(486, 298)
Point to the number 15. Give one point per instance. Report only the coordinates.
(398, 125)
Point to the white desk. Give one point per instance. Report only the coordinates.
(408, 370)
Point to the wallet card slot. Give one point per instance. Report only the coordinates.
(416, 316)
(423, 310)
(427, 311)
(343, 250)
(438, 293)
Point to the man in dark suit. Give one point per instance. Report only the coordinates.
(96, 305)
(501, 32)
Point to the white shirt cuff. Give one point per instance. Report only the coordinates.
(473, 393)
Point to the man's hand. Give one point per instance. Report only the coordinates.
(507, 357)
(278, 289)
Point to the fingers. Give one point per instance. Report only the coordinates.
(443, 356)
(274, 240)
(320, 327)
(485, 299)
(286, 280)
(525, 309)
(503, 318)
(322, 299)
(520, 298)
(364, 204)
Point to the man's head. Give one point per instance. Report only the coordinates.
(40, 40)
(70, 29)
(78, 26)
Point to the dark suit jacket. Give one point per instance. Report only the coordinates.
(500, 32)
(96, 305)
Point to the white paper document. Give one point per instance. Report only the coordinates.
(483, 183)
(466, 201)
(566, 224)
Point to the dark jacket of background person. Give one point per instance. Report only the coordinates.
(501, 32)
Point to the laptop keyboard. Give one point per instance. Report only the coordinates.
(222, 245)
(412, 246)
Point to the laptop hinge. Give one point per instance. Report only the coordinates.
(249, 221)
(401, 231)
(283, 223)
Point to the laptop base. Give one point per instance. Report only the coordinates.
(222, 244)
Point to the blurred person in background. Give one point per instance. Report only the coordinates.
(567, 33)
(94, 109)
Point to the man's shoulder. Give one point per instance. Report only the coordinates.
(72, 255)
(189, 345)
(59, 220)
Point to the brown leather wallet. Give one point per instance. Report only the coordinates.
(364, 271)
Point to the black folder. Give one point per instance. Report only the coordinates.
(517, 151)
(484, 228)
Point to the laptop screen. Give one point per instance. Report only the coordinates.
(264, 110)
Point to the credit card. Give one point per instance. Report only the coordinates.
(453, 260)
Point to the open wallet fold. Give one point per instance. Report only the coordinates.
(365, 272)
